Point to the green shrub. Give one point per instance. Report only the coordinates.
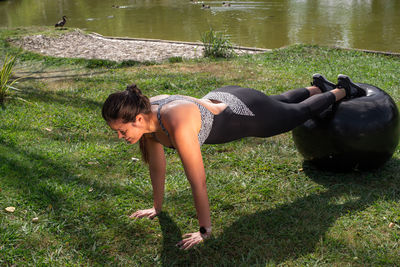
(216, 45)
(6, 84)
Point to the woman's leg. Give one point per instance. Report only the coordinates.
(297, 95)
(319, 84)
(284, 117)
(269, 116)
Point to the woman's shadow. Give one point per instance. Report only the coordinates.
(290, 230)
(171, 236)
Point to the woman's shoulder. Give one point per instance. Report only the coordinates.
(176, 102)
(157, 97)
(180, 113)
(180, 108)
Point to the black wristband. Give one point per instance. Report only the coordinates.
(205, 231)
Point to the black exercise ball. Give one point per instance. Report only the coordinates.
(359, 133)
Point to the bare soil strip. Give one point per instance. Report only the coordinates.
(77, 44)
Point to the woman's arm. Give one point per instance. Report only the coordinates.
(157, 167)
(184, 136)
(190, 154)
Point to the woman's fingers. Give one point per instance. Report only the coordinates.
(152, 215)
(192, 240)
(187, 235)
(149, 213)
(191, 243)
(137, 214)
(187, 245)
(133, 215)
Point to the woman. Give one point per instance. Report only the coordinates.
(223, 115)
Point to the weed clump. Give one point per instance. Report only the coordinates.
(217, 45)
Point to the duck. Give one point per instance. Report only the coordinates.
(61, 23)
(205, 6)
(226, 4)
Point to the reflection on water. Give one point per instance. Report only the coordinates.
(367, 24)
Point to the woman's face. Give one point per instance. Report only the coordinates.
(131, 131)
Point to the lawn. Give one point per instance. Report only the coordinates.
(60, 162)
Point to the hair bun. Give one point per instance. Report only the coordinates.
(133, 89)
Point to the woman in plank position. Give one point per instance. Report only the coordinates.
(223, 115)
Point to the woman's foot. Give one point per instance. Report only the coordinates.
(322, 83)
(352, 89)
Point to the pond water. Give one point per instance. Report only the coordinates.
(365, 24)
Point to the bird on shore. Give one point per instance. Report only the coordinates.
(61, 23)
(205, 6)
(226, 4)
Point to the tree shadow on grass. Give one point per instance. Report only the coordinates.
(44, 185)
(61, 98)
(65, 74)
(292, 230)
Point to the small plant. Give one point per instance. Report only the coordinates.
(6, 84)
(175, 59)
(216, 45)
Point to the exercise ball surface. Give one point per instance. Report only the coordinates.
(359, 133)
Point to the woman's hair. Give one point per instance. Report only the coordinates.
(126, 105)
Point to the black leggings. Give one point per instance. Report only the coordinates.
(273, 114)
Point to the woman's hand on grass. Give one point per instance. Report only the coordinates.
(191, 240)
(149, 213)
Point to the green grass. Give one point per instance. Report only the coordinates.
(61, 163)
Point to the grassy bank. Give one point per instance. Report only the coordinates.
(59, 162)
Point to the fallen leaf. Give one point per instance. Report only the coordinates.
(48, 129)
(35, 220)
(91, 189)
(10, 209)
(391, 225)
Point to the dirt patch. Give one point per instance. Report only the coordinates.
(77, 44)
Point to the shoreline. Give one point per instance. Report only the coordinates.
(244, 48)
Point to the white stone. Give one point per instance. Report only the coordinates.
(10, 209)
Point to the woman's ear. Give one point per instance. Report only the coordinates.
(139, 119)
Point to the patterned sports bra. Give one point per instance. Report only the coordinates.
(207, 117)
